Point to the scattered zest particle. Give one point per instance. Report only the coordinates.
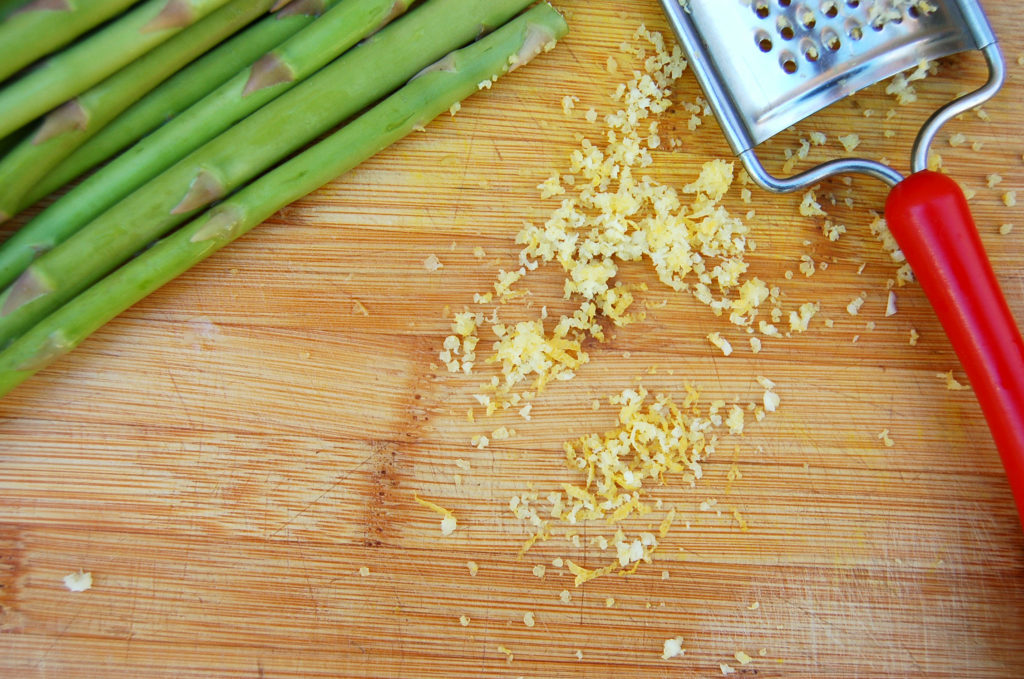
(951, 383)
(993, 180)
(1005, 229)
(464, 620)
(853, 308)
(850, 141)
(565, 596)
(754, 606)
(723, 344)
(886, 439)
(448, 523)
(742, 658)
(914, 337)
(890, 305)
(539, 570)
(672, 648)
(78, 582)
(364, 571)
(473, 568)
(432, 263)
(726, 669)
(579, 654)
(509, 657)
(609, 602)
(528, 619)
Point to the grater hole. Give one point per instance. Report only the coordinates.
(854, 4)
(830, 39)
(762, 10)
(854, 30)
(830, 9)
(913, 12)
(785, 29)
(764, 41)
(810, 51)
(788, 62)
(785, 3)
(806, 18)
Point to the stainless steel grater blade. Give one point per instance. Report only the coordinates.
(767, 64)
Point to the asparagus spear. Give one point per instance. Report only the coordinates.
(355, 80)
(178, 93)
(9, 7)
(85, 63)
(427, 96)
(273, 74)
(68, 126)
(44, 26)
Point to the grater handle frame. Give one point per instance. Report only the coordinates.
(996, 77)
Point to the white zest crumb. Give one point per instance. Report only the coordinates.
(726, 669)
(754, 606)
(569, 103)
(579, 654)
(455, 108)
(1005, 229)
(890, 304)
(755, 345)
(473, 567)
(509, 656)
(448, 523)
(364, 571)
(539, 570)
(993, 180)
(742, 658)
(464, 620)
(951, 382)
(723, 344)
(432, 263)
(528, 619)
(609, 602)
(850, 141)
(914, 337)
(565, 596)
(1010, 199)
(672, 648)
(886, 439)
(853, 308)
(78, 582)
(665, 575)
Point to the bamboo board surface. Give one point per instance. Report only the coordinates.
(225, 457)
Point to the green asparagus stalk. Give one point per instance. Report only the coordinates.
(68, 126)
(274, 73)
(178, 93)
(9, 7)
(355, 80)
(99, 55)
(44, 26)
(454, 78)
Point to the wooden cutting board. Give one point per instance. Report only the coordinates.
(227, 455)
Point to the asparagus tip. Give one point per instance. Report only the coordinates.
(175, 14)
(203, 190)
(68, 116)
(269, 70)
(312, 8)
(30, 285)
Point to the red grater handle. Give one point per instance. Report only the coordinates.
(928, 215)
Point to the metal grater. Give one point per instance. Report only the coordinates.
(767, 64)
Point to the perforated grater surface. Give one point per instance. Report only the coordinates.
(767, 64)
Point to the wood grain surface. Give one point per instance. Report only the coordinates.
(226, 456)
